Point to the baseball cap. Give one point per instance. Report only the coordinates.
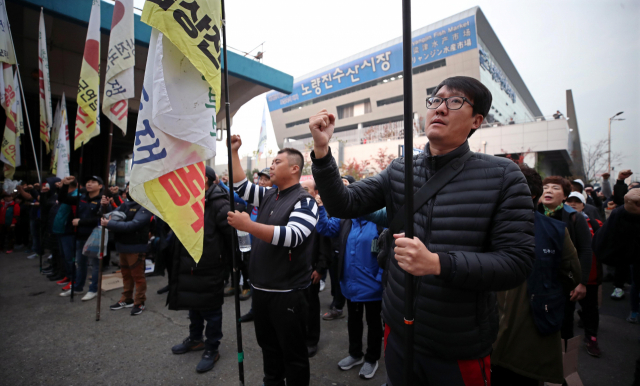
(95, 178)
(578, 196)
(349, 178)
(579, 181)
(264, 172)
(210, 173)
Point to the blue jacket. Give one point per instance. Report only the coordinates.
(360, 277)
(62, 222)
(131, 234)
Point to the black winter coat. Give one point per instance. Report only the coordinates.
(201, 286)
(482, 226)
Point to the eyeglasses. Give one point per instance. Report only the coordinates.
(452, 103)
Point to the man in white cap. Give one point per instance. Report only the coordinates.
(589, 314)
(590, 210)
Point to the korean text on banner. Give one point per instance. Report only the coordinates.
(262, 141)
(119, 86)
(46, 120)
(87, 117)
(7, 54)
(194, 27)
(176, 117)
(54, 134)
(10, 152)
(62, 150)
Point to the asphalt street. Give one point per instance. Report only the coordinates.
(46, 340)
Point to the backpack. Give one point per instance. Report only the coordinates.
(546, 296)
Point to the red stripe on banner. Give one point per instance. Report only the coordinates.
(92, 54)
(118, 13)
(476, 372)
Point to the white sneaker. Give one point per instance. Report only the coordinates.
(49, 257)
(32, 256)
(90, 295)
(617, 294)
(322, 285)
(68, 293)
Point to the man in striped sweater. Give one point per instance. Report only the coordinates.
(280, 263)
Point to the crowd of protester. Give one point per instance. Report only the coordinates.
(501, 255)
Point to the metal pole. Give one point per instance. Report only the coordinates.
(100, 275)
(40, 250)
(24, 102)
(234, 255)
(609, 142)
(408, 185)
(109, 145)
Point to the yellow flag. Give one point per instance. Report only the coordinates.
(9, 139)
(195, 28)
(88, 117)
(45, 87)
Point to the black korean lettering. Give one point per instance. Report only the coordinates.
(215, 38)
(204, 47)
(82, 85)
(164, 4)
(204, 24)
(193, 9)
(185, 23)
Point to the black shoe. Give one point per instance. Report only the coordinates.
(57, 277)
(163, 290)
(209, 359)
(188, 345)
(120, 305)
(247, 317)
(137, 310)
(312, 350)
(51, 274)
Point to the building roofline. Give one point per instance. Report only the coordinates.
(79, 11)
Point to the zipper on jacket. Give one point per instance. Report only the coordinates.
(482, 369)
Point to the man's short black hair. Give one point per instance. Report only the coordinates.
(577, 186)
(473, 89)
(533, 180)
(295, 158)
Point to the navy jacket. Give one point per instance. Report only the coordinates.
(136, 226)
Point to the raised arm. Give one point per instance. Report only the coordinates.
(238, 172)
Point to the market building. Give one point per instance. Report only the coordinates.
(365, 93)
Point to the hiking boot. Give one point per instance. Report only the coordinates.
(617, 294)
(122, 304)
(245, 294)
(349, 362)
(64, 281)
(90, 295)
(592, 347)
(247, 317)
(633, 317)
(137, 310)
(368, 370)
(209, 359)
(333, 314)
(229, 292)
(188, 345)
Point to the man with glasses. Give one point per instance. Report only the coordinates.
(475, 236)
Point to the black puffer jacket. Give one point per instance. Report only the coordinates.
(200, 286)
(481, 226)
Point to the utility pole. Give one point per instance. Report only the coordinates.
(609, 141)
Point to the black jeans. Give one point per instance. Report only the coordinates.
(356, 329)
(281, 329)
(501, 376)
(336, 292)
(621, 275)
(313, 321)
(589, 314)
(566, 331)
(213, 331)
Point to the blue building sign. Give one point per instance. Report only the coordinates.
(497, 75)
(446, 41)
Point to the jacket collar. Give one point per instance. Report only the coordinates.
(435, 162)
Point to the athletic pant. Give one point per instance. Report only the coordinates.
(338, 299)
(213, 331)
(431, 371)
(356, 329)
(566, 331)
(281, 329)
(313, 321)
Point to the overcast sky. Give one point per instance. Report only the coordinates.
(591, 47)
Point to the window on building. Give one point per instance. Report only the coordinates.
(354, 109)
(296, 123)
(391, 100)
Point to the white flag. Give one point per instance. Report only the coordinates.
(54, 135)
(62, 143)
(46, 120)
(119, 86)
(6, 46)
(262, 142)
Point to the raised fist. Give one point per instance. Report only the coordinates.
(632, 201)
(236, 142)
(321, 126)
(624, 174)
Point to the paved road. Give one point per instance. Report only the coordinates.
(46, 340)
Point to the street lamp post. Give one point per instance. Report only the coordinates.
(609, 152)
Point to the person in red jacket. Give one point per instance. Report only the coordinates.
(9, 214)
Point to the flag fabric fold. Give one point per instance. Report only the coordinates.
(119, 86)
(10, 150)
(62, 149)
(88, 117)
(54, 134)
(176, 117)
(45, 86)
(262, 141)
(7, 55)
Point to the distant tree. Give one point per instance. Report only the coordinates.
(382, 160)
(356, 169)
(518, 158)
(595, 158)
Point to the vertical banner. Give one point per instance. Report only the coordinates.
(88, 117)
(177, 118)
(10, 151)
(46, 120)
(62, 149)
(262, 142)
(119, 86)
(54, 135)
(6, 47)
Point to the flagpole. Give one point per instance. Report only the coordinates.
(102, 236)
(236, 278)
(408, 185)
(24, 102)
(73, 266)
(40, 250)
